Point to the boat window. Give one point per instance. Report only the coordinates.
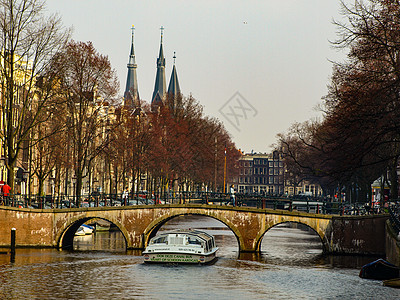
(193, 241)
(209, 244)
(176, 240)
(160, 240)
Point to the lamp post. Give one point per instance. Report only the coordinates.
(225, 171)
(215, 166)
(74, 187)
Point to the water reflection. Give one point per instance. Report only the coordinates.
(102, 240)
(290, 266)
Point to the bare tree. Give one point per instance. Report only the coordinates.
(89, 85)
(28, 41)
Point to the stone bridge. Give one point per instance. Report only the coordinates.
(56, 227)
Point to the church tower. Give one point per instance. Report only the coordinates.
(173, 88)
(160, 87)
(174, 91)
(131, 95)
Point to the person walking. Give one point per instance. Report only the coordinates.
(6, 189)
(125, 195)
(232, 192)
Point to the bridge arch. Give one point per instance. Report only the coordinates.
(324, 242)
(65, 236)
(156, 224)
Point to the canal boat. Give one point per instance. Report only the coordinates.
(394, 283)
(181, 246)
(380, 270)
(84, 229)
(102, 225)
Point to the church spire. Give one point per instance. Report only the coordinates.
(160, 84)
(131, 95)
(174, 91)
(173, 88)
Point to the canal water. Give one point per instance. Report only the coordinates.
(291, 266)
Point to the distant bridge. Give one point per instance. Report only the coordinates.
(56, 227)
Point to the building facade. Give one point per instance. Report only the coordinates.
(261, 174)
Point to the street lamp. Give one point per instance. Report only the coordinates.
(225, 171)
(74, 187)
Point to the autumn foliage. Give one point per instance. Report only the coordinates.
(175, 147)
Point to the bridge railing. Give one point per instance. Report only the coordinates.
(305, 204)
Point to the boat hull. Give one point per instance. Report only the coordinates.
(184, 258)
(395, 283)
(380, 270)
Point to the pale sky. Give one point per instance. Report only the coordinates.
(270, 58)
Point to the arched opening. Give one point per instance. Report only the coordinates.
(291, 243)
(225, 238)
(93, 234)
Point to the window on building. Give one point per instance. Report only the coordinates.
(271, 164)
(271, 171)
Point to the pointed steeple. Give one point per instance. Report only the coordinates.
(160, 87)
(131, 95)
(173, 88)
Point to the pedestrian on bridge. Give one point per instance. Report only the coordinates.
(232, 192)
(6, 189)
(125, 195)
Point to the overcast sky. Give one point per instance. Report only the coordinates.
(258, 66)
